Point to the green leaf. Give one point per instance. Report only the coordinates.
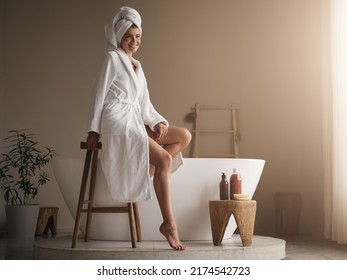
(21, 166)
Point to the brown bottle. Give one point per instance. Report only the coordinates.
(235, 183)
(223, 188)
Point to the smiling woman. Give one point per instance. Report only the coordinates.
(137, 142)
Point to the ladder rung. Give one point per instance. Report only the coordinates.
(213, 107)
(87, 201)
(216, 155)
(213, 131)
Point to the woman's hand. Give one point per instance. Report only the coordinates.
(92, 140)
(160, 130)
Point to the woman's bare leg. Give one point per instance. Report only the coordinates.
(174, 142)
(161, 158)
(161, 181)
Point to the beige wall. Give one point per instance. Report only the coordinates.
(263, 55)
(2, 94)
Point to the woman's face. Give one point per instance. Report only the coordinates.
(131, 41)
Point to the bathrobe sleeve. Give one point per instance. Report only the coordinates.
(106, 75)
(149, 115)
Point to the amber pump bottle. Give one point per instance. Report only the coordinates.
(224, 188)
(235, 183)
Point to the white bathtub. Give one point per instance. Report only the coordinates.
(193, 185)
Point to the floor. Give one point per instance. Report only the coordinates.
(296, 248)
(314, 248)
(263, 248)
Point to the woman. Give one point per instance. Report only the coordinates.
(137, 142)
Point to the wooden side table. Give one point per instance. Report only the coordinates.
(244, 214)
(47, 220)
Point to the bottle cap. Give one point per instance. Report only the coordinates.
(235, 170)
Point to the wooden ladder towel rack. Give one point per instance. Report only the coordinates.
(198, 130)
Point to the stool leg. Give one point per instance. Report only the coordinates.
(91, 194)
(55, 222)
(245, 219)
(50, 226)
(41, 222)
(81, 198)
(219, 217)
(137, 222)
(132, 224)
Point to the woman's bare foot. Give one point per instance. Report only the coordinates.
(171, 235)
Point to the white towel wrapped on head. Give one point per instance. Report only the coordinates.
(122, 21)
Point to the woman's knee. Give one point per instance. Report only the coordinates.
(186, 136)
(165, 160)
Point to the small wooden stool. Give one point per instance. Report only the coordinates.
(244, 213)
(131, 209)
(47, 220)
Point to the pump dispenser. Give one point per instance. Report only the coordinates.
(224, 188)
(235, 183)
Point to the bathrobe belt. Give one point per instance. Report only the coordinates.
(135, 105)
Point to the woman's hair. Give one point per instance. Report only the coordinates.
(134, 26)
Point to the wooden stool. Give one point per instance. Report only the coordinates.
(47, 220)
(131, 208)
(244, 214)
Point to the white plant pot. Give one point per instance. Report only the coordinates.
(21, 220)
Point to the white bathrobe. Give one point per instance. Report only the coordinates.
(120, 109)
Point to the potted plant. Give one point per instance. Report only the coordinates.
(21, 176)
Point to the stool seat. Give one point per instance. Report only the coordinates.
(131, 209)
